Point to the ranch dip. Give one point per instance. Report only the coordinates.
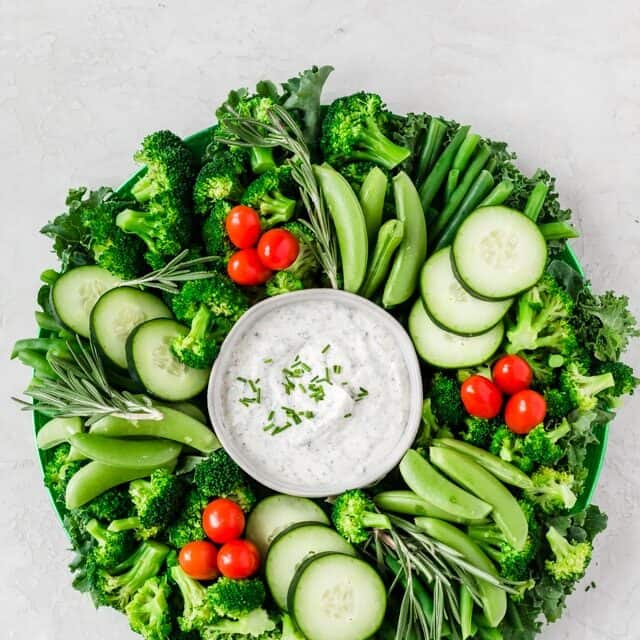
(315, 392)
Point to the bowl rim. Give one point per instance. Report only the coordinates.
(334, 485)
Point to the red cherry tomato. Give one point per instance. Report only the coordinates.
(243, 226)
(480, 397)
(199, 560)
(245, 268)
(278, 249)
(512, 374)
(238, 559)
(524, 411)
(223, 520)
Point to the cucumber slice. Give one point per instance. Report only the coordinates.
(275, 513)
(152, 362)
(75, 293)
(337, 596)
(294, 545)
(116, 314)
(57, 431)
(447, 350)
(450, 305)
(498, 252)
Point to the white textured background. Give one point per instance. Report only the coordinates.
(81, 82)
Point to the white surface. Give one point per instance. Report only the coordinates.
(82, 82)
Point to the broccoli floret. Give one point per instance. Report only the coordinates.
(148, 612)
(265, 195)
(170, 167)
(624, 381)
(187, 527)
(542, 320)
(58, 470)
(552, 490)
(218, 180)
(446, 404)
(214, 232)
(508, 446)
(559, 403)
(353, 129)
(354, 513)
(539, 361)
(197, 610)
(236, 598)
(164, 225)
(113, 504)
(257, 624)
(211, 306)
(479, 431)
(583, 388)
(570, 559)
(220, 477)
(356, 172)
(216, 147)
(111, 548)
(542, 446)
(306, 263)
(283, 282)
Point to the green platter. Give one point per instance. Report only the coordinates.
(595, 454)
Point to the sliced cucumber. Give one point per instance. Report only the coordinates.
(57, 431)
(498, 252)
(450, 305)
(275, 513)
(294, 545)
(116, 314)
(152, 362)
(447, 350)
(337, 596)
(75, 293)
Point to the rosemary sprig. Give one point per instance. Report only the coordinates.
(82, 389)
(175, 271)
(283, 131)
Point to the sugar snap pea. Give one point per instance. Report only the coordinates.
(429, 151)
(189, 409)
(371, 196)
(348, 219)
(174, 425)
(389, 238)
(57, 431)
(412, 251)
(431, 485)
(497, 466)
(466, 612)
(506, 511)
(123, 452)
(494, 599)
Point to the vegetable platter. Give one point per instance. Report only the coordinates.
(485, 525)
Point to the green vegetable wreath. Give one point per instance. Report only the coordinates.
(484, 528)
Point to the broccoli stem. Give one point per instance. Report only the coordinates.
(378, 148)
(144, 189)
(560, 546)
(135, 222)
(200, 325)
(124, 524)
(277, 208)
(96, 531)
(563, 429)
(593, 385)
(533, 207)
(558, 231)
(261, 159)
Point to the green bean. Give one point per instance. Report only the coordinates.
(412, 251)
(465, 152)
(429, 152)
(430, 215)
(506, 511)
(558, 231)
(497, 466)
(46, 321)
(479, 189)
(498, 194)
(466, 612)
(37, 361)
(535, 201)
(494, 599)
(94, 478)
(411, 504)
(429, 484)
(468, 178)
(174, 425)
(57, 431)
(389, 239)
(35, 344)
(121, 452)
(452, 183)
(49, 276)
(438, 174)
(348, 219)
(372, 195)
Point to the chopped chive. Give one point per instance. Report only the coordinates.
(347, 415)
(337, 368)
(268, 360)
(326, 348)
(271, 415)
(240, 379)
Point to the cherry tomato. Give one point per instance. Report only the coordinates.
(244, 267)
(512, 374)
(278, 249)
(480, 397)
(243, 226)
(199, 560)
(524, 411)
(223, 520)
(238, 559)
